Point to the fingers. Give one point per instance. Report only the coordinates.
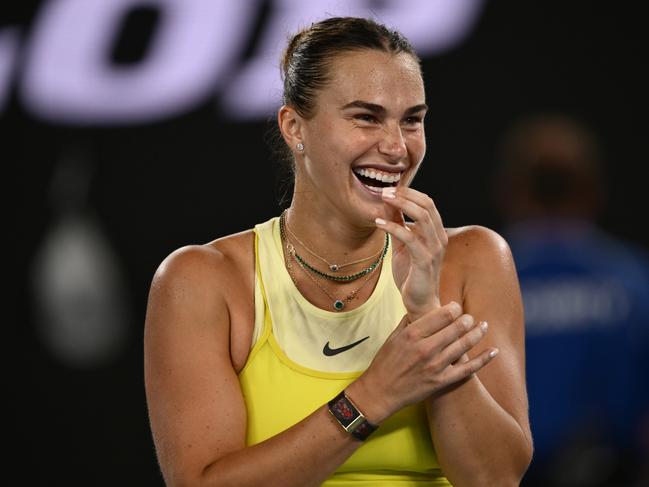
(393, 214)
(463, 370)
(416, 205)
(450, 337)
(425, 237)
(403, 233)
(411, 203)
(463, 344)
(460, 327)
(437, 319)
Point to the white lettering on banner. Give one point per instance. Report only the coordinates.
(69, 78)
(8, 56)
(573, 304)
(431, 25)
(257, 89)
(67, 75)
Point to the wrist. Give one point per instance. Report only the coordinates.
(372, 405)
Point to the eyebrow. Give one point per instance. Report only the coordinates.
(379, 110)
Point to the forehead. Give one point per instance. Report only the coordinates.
(390, 80)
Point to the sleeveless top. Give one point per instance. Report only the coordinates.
(287, 376)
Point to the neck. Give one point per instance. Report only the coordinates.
(331, 234)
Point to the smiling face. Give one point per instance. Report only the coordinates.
(366, 133)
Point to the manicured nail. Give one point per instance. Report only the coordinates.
(494, 352)
(484, 325)
(455, 309)
(379, 221)
(388, 192)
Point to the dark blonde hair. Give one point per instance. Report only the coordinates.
(308, 57)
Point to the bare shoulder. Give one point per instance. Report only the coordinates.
(216, 269)
(189, 266)
(476, 247)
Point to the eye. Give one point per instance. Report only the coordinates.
(366, 117)
(413, 121)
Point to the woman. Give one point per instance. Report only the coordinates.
(337, 343)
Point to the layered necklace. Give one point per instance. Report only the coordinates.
(333, 267)
(337, 303)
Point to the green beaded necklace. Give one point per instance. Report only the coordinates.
(337, 304)
(348, 278)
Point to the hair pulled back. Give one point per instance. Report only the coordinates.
(310, 53)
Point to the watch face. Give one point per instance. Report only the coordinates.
(350, 418)
(343, 410)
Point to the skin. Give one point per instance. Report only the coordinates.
(201, 308)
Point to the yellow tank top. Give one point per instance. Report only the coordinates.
(287, 375)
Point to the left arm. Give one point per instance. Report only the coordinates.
(480, 427)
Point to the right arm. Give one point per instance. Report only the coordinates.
(196, 407)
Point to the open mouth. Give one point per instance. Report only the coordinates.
(376, 180)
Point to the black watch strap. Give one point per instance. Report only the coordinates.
(350, 418)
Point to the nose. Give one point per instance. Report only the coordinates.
(392, 143)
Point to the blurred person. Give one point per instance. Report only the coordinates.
(337, 343)
(586, 297)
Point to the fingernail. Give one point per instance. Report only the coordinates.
(388, 192)
(379, 221)
(484, 325)
(455, 308)
(494, 352)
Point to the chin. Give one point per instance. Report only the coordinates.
(365, 213)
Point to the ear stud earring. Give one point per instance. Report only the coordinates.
(300, 146)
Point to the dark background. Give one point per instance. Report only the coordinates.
(158, 186)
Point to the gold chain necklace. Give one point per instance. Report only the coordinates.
(338, 304)
(332, 267)
(283, 226)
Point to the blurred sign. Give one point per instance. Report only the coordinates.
(197, 50)
(573, 304)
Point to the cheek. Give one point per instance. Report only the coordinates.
(417, 145)
(344, 144)
(360, 140)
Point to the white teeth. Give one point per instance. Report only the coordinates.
(386, 177)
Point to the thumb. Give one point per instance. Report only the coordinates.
(393, 214)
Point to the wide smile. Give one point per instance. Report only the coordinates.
(374, 180)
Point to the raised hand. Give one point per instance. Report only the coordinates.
(418, 247)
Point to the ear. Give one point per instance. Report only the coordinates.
(291, 125)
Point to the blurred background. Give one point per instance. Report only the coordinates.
(132, 127)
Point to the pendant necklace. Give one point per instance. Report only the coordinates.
(332, 267)
(338, 304)
(283, 227)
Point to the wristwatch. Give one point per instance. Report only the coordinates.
(350, 418)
